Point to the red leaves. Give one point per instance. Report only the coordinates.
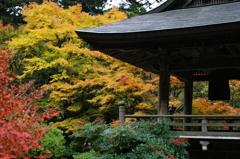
(178, 141)
(170, 157)
(123, 79)
(19, 117)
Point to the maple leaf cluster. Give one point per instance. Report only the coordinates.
(20, 130)
(205, 106)
(178, 141)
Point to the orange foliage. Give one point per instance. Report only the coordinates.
(205, 106)
(5, 28)
(116, 123)
(235, 93)
(6, 32)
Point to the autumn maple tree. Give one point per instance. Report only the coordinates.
(20, 117)
(84, 84)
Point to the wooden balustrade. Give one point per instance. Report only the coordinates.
(201, 126)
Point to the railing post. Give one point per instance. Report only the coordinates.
(122, 105)
(230, 127)
(204, 127)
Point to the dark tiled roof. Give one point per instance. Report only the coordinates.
(194, 39)
(175, 19)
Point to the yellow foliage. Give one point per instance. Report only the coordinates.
(36, 64)
(175, 103)
(51, 24)
(62, 91)
(50, 46)
(106, 99)
(71, 125)
(113, 15)
(76, 107)
(137, 113)
(145, 106)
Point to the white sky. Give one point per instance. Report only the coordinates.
(115, 3)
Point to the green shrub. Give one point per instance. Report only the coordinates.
(132, 140)
(54, 142)
(85, 155)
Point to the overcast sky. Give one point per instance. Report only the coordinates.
(115, 3)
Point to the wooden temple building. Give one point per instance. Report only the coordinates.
(194, 40)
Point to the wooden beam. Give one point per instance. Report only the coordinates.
(233, 135)
(234, 49)
(185, 116)
(183, 76)
(230, 74)
(206, 64)
(163, 100)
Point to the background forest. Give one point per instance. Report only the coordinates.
(50, 75)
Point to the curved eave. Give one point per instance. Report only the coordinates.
(110, 40)
(170, 26)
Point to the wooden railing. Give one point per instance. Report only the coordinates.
(196, 126)
(201, 126)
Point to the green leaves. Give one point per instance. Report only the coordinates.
(54, 141)
(132, 140)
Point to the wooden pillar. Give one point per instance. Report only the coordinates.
(163, 97)
(187, 109)
(122, 110)
(188, 91)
